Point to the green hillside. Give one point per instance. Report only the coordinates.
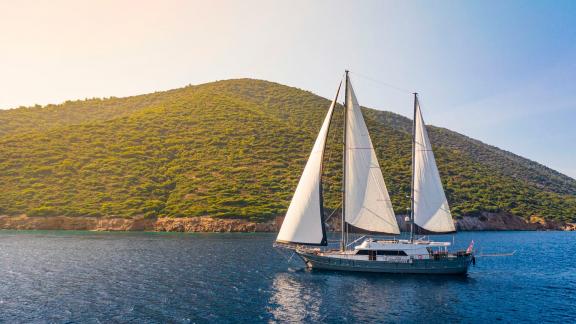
(235, 148)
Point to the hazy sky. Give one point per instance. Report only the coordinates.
(500, 71)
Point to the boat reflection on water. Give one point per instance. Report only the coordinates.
(294, 300)
(309, 296)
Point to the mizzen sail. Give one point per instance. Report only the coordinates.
(303, 223)
(431, 210)
(367, 203)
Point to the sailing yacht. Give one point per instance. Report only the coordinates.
(366, 206)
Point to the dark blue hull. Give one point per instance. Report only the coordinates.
(453, 266)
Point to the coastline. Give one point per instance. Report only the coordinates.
(484, 222)
(188, 224)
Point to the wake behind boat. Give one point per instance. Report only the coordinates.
(366, 206)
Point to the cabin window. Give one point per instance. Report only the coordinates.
(382, 252)
(391, 252)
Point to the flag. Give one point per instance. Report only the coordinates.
(470, 247)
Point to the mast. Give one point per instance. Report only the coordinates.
(343, 222)
(413, 161)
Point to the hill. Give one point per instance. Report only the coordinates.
(235, 149)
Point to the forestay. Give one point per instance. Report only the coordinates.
(431, 210)
(367, 203)
(303, 223)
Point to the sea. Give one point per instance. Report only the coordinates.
(100, 277)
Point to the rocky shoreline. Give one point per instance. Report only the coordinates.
(484, 222)
(189, 224)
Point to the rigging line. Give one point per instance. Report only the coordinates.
(333, 212)
(383, 83)
(283, 255)
(291, 257)
(334, 133)
(329, 159)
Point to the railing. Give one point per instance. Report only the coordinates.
(356, 240)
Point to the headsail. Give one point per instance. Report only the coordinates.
(367, 203)
(303, 223)
(431, 210)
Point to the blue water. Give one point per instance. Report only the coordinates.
(196, 278)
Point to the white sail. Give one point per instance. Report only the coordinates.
(367, 203)
(303, 221)
(431, 210)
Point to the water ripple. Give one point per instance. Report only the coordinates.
(70, 277)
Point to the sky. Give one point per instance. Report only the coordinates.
(503, 72)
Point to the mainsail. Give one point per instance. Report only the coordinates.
(431, 210)
(303, 223)
(367, 203)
